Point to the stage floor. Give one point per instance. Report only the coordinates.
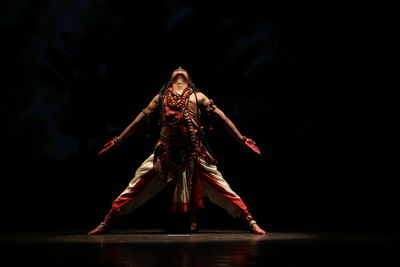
(209, 247)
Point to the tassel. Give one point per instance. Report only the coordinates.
(212, 106)
(148, 128)
(209, 120)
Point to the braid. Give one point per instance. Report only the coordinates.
(163, 90)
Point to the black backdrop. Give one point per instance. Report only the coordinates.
(314, 84)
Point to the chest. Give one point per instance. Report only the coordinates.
(177, 103)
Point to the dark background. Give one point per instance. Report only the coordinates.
(315, 84)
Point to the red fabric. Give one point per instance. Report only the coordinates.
(137, 188)
(180, 207)
(221, 190)
(197, 194)
(197, 199)
(252, 145)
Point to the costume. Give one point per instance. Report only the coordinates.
(180, 163)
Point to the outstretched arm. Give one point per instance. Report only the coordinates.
(133, 126)
(140, 118)
(227, 123)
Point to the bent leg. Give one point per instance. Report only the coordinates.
(141, 188)
(220, 193)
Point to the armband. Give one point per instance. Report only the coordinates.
(116, 139)
(211, 106)
(146, 111)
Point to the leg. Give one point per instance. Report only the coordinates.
(219, 192)
(141, 188)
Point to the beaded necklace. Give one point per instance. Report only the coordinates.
(178, 101)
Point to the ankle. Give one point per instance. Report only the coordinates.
(193, 227)
(251, 223)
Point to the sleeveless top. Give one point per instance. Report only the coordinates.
(181, 137)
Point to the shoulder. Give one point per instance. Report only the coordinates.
(155, 101)
(201, 97)
(205, 102)
(156, 98)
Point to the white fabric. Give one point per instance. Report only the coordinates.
(182, 188)
(213, 195)
(151, 189)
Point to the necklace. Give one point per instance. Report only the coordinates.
(178, 100)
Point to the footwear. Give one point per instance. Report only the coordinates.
(100, 229)
(255, 229)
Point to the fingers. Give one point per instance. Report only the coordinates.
(102, 151)
(109, 143)
(107, 146)
(252, 145)
(257, 150)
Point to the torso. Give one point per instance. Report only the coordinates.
(181, 134)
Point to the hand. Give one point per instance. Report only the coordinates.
(251, 144)
(110, 144)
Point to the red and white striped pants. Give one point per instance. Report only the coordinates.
(147, 183)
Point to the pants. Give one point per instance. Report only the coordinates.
(146, 183)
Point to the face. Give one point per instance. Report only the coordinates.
(179, 82)
(180, 72)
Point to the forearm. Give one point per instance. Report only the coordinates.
(213, 110)
(229, 125)
(140, 118)
(232, 129)
(132, 127)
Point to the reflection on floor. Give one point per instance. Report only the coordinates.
(153, 247)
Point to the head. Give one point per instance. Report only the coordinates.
(178, 78)
(182, 72)
(180, 82)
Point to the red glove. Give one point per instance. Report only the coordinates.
(110, 144)
(251, 144)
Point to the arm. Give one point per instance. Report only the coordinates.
(140, 118)
(228, 124)
(217, 113)
(133, 126)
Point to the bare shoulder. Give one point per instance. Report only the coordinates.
(156, 99)
(154, 102)
(201, 97)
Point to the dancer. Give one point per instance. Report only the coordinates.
(180, 162)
